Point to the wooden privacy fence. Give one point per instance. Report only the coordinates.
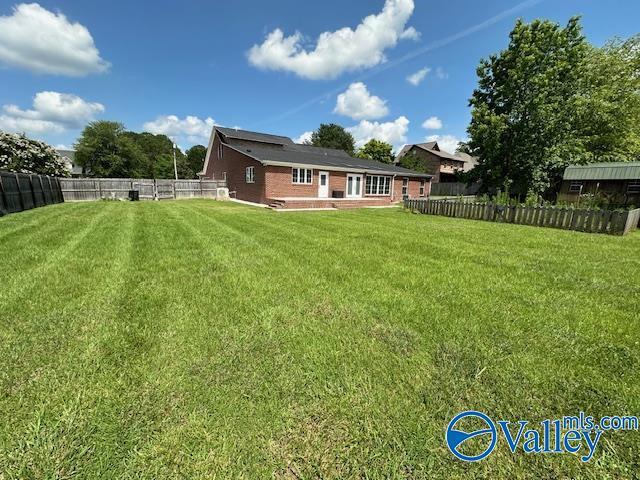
(593, 221)
(78, 189)
(453, 189)
(22, 191)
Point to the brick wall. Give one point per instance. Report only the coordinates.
(413, 188)
(279, 184)
(234, 165)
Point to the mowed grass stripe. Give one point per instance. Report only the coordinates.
(202, 339)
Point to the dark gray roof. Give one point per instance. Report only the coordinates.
(70, 154)
(431, 147)
(296, 154)
(254, 136)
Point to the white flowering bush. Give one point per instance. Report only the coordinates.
(24, 155)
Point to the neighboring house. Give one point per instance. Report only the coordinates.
(69, 158)
(273, 170)
(617, 182)
(442, 165)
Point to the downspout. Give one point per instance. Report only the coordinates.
(393, 184)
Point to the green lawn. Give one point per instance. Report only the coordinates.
(204, 339)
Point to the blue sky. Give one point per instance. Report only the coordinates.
(179, 67)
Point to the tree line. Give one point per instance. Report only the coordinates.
(551, 99)
(106, 149)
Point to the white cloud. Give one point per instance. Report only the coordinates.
(410, 34)
(416, 79)
(52, 112)
(441, 73)
(432, 123)
(394, 132)
(448, 143)
(191, 127)
(304, 138)
(356, 102)
(45, 42)
(340, 51)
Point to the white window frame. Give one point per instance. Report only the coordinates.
(307, 176)
(381, 180)
(250, 174)
(423, 184)
(579, 186)
(633, 186)
(220, 150)
(405, 187)
(224, 176)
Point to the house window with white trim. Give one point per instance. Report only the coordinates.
(250, 174)
(301, 176)
(575, 187)
(405, 187)
(219, 150)
(377, 185)
(633, 186)
(422, 183)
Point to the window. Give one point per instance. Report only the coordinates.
(575, 187)
(377, 185)
(224, 176)
(405, 187)
(422, 182)
(301, 176)
(250, 174)
(219, 150)
(633, 186)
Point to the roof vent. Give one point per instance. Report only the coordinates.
(249, 150)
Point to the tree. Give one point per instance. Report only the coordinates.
(195, 159)
(551, 99)
(523, 109)
(24, 155)
(610, 113)
(104, 151)
(333, 136)
(412, 162)
(376, 150)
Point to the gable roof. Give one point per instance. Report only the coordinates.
(603, 171)
(254, 136)
(431, 147)
(288, 153)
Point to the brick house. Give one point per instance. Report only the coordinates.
(273, 170)
(442, 165)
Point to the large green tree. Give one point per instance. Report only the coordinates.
(331, 135)
(103, 150)
(551, 99)
(195, 159)
(376, 150)
(21, 154)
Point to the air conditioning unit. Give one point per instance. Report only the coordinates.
(222, 193)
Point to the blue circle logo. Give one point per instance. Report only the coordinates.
(456, 437)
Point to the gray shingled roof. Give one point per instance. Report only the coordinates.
(254, 136)
(296, 154)
(429, 147)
